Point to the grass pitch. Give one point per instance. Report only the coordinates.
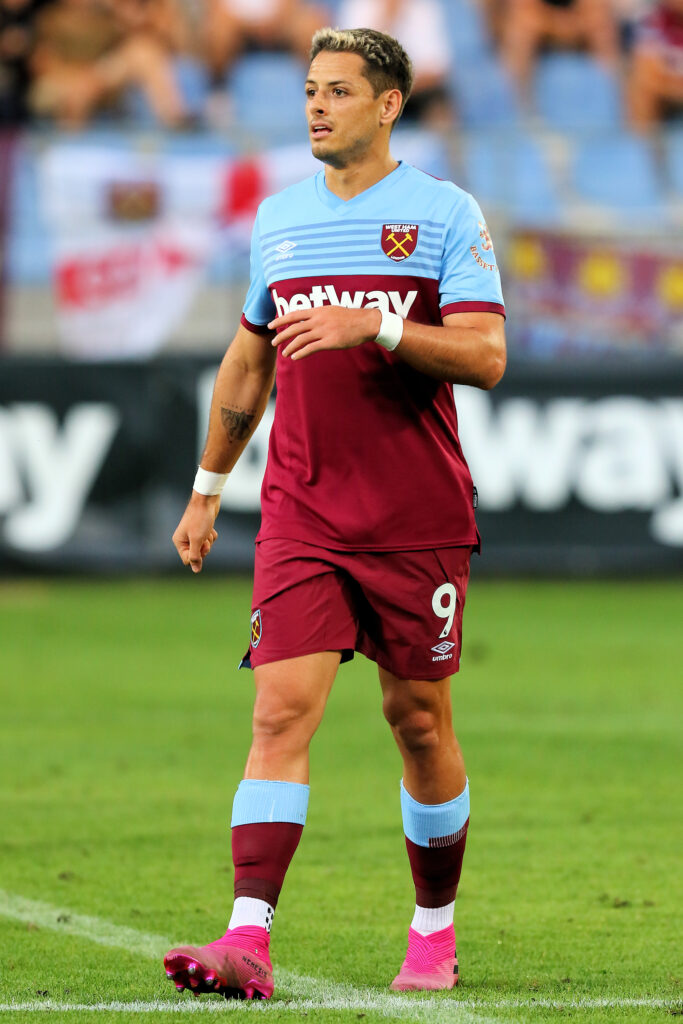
(123, 733)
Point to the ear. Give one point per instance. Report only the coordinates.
(392, 100)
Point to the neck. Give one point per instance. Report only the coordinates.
(347, 182)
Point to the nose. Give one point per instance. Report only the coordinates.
(315, 106)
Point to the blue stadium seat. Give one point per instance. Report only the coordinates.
(511, 173)
(572, 91)
(619, 173)
(673, 150)
(268, 93)
(468, 34)
(483, 93)
(422, 149)
(193, 82)
(29, 252)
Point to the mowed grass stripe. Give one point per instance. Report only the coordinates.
(119, 759)
(309, 993)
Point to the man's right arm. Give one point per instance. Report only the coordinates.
(240, 395)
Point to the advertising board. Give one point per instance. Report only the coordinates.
(578, 471)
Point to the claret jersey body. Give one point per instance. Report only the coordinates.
(364, 451)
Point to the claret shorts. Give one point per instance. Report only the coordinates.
(402, 609)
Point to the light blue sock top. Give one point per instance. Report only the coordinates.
(259, 800)
(425, 822)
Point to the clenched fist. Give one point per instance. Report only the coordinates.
(195, 533)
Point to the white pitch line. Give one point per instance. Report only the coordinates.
(59, 919)
(414, 1006)
(296, 992)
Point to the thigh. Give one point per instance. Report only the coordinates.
(296, 688)
(302, 604)
(413, 627)
(290, 700)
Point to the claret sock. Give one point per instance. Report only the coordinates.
(435, 841)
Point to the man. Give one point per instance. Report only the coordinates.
(373, 288)
(529, 26)
(655, 81)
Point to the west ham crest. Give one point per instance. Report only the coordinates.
(399, 241)
(256, 628)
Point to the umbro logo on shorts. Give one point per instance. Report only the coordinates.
(443, 651)
(444, 648)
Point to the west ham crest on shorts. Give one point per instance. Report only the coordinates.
(399, 241)
(256, 628)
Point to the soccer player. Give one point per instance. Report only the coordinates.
(373, 289)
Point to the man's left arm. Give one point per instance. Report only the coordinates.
(468, 349)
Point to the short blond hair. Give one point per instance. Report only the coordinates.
(387, 65)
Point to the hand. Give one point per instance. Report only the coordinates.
(306, 331)
(195, 533)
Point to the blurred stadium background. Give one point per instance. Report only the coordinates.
(125, 214)
(124, 235)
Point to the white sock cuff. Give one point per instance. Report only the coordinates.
(250, 912)
(432, 919)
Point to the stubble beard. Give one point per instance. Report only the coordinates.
(341, 158)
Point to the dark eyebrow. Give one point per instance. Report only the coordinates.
(341, 81)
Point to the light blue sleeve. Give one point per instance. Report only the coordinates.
(259, 308)
(470, 279)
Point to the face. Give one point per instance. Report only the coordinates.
(344, 116)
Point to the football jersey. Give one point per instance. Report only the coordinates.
(364, 451)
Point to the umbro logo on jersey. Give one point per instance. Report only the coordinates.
(399, 241)
(326, 294)
(443, 651)
(284, 250)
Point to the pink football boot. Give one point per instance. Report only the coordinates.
(430, 963)
(236, 966)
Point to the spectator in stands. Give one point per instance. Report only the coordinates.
(529, 26)
(88, 52)
(629, 14)
(235, 26)
(16, 46)
(420, 26)
(494, 15)
(655, 81)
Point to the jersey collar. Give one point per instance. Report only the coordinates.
(342, 206)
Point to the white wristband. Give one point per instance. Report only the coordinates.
(209, 483)
(390, 331)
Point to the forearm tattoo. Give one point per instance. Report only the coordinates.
(237, 422)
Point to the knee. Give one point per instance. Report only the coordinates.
(526, 17)
(415, 729)
(141, 52)
(275, 717)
